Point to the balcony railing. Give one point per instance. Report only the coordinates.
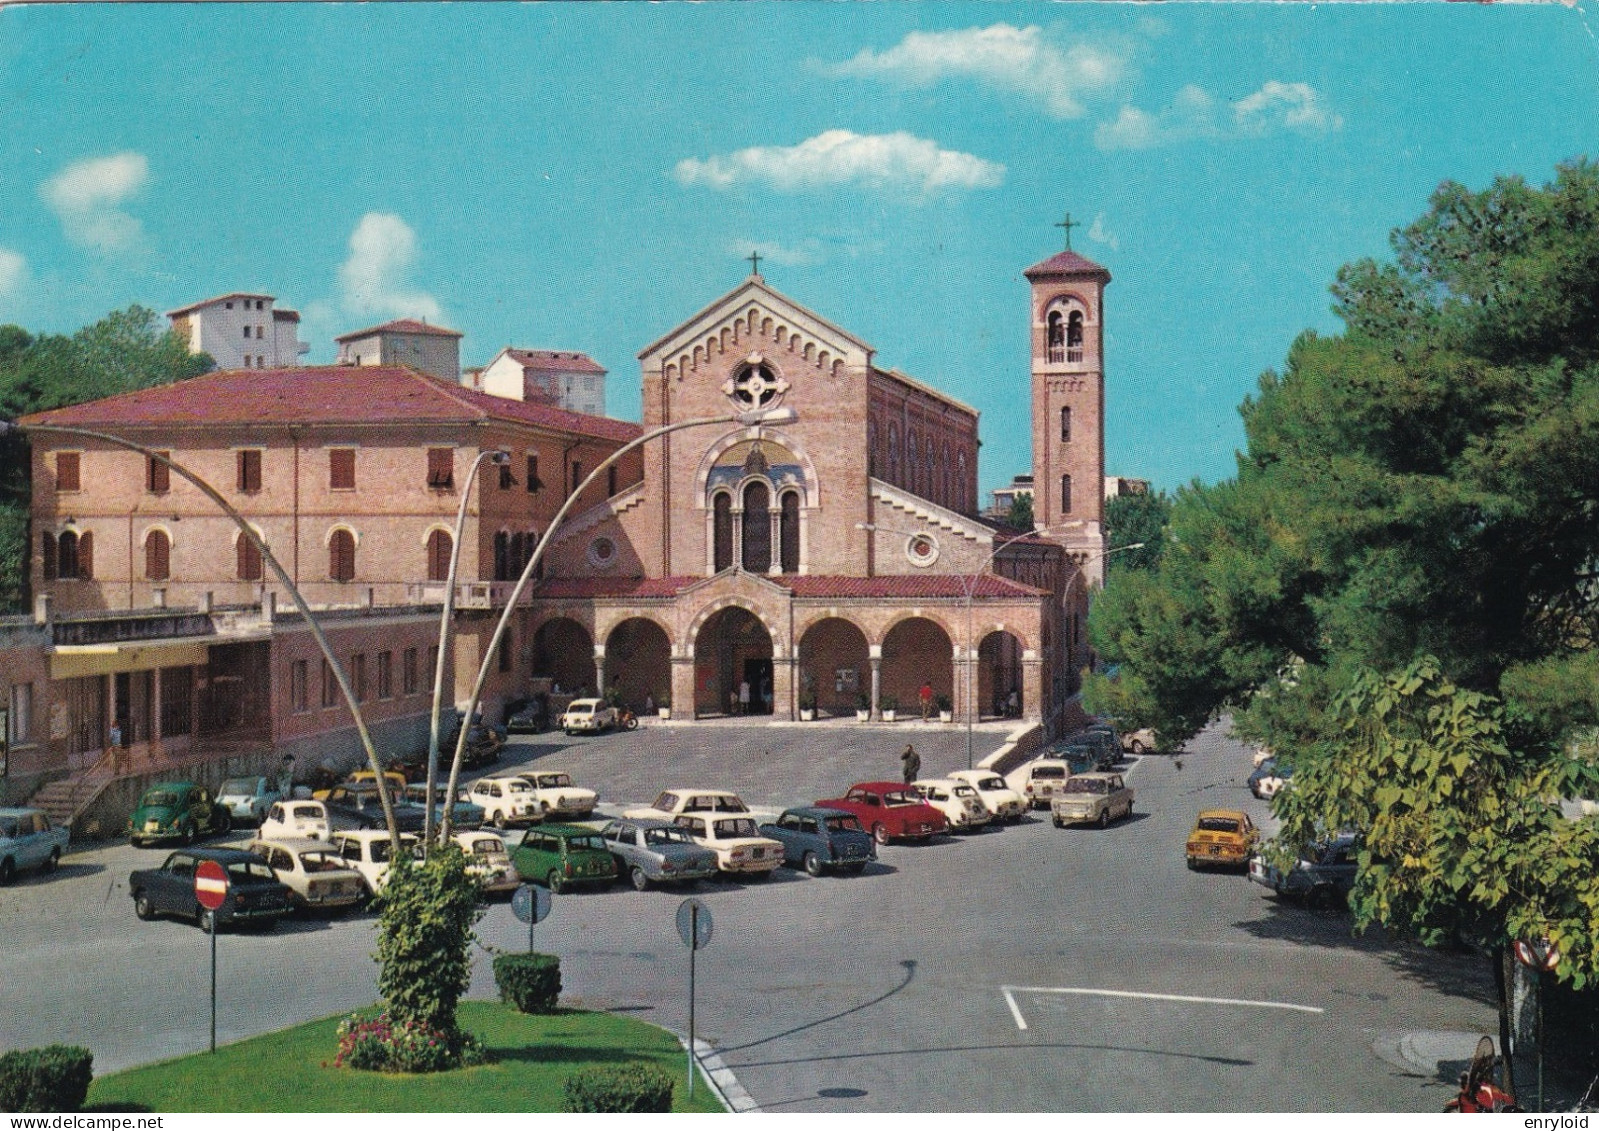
(468, 594)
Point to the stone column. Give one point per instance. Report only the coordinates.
(683, 706)
(784, 690)
(599, 670)
(874, 653)
(1032, 685)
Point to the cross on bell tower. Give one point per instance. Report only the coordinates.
(1068, 224)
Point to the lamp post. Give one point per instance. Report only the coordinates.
(499, 458)
(755, 418)
(1072, 580)
(267, 556)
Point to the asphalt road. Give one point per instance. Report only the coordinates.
(1025, 968)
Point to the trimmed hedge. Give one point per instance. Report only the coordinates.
(628, 1088)
(529, 982)
(53, 1078)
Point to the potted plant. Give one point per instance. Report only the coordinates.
(890, 708)
(946, 709)
(863, 707)
(663, 706)
(807, 706)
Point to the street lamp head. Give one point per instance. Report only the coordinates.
(784, 415)
(500, 458)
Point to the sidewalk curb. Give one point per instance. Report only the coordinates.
(719, 1076)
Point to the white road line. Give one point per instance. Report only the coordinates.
(1021, 1023)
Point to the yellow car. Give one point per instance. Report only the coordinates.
(1222, 837)
(395, 779)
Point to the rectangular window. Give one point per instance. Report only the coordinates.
(505, 651)
(247, 334)
(177, 701)
(385, 675)
(249, 479)
(1065, 424)
(1065, 494)
(67, 471)
(330, 686)
(507, 480)
(577, 473)
(533, 483)
(610, 482)
(408, 672)
(341, 469)
(19, 724)
(433, 659)
(441, 469)
(299, 687)
(358, 676)
(158, 478)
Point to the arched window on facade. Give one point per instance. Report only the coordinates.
(439, 546)
(1065, 425)
(757, 528)
(1065, 494)
(960, 483)
(341, 556)
(75, 556)
(248, 563)
(871, 447)
(913, 467)
(157, 556)
(1056, 337)
(502, 556)
(1074, 336)
(788, 531)
(722, 531)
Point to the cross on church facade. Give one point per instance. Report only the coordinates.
(755, 262)
(1068, 224)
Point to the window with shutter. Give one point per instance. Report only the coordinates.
(47, 544)
(341, 469)
(249, 560)
(157, 556)
(67, 478)
(441, 469)
(159, 477)
(533, 483)
(438, 556)
(249, 479)
(341, 556)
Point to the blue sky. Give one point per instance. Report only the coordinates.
(586, 177)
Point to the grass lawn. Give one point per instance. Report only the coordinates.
(284, 1071)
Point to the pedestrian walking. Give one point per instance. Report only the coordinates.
(744, 697)
(911, 762)
(926, 697)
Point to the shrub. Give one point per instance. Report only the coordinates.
(379, 1043)
(889, 703)
(944, 703)
(629, 1088)
(530, 982)
(53, 1078)
(426, 913)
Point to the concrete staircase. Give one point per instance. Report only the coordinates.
(63, 800)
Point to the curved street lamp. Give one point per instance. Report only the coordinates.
(749, 419)
(210, 492)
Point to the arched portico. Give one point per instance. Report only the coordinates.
(916, 650)
(1000, 672)
(835, 665)
(564, 651)
(638, 662)
(733, 648)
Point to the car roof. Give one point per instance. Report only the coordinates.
(1230, 814)
(880, 786)
(565, 830)
(582, 703)
(371, 834)
(169, 785)
(1052, 762)
(1105, 775)
(817, 811)
(699, 789)
(645, 823)
(221, 855)
(294, 843)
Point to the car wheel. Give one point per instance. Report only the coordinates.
(188, 834)
(1059, 824)
(142, 907)
(1129, 812)
(632, 724)
(8, 870)
(553, 882)
(53, 861)
(497, 821)
(1137, 748)
(1321, 898)
(880, 833)
(223, 823)
(641, 882)
(1104, 818)
(1193, 865)
(813, 866)
(207, 920)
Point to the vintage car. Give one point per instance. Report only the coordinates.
(248, 799)
(289, 820)
(488, 860)
(1103, 737)
(998, 797)
(506, 801)
(527, 716)
(368, 851)
(821, 840)
(740, 848)
(672, 803)
(1044, 777)
(558, 797)
(1270, 778)
(1138, 742)
(315, 874)
(890, 811)
(176, 810)
(395, 778)
(29, 840)
(959, 802)
(1091, 799)
(255, 895)
(1222, 838)
(656, 852)
(563, 856)
(1323, 875)
(588, 716)
(357, 806)
(464, 814)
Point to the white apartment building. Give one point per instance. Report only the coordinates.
(405, 341)
(564, 378)
(242, 331)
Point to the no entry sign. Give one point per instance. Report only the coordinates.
(210, 885)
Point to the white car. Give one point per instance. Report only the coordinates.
(588, 716)
(1138, 742)
(740, 848)
(558, 797)
(959, 802)
(506, 801)
(289, 820)
(997, 797)
(672, 803)
(248, 799)
(367, 851)
(487, 858)
(1044, 778)
(317, 877)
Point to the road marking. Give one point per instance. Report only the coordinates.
(1021, 1022)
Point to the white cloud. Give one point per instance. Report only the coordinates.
(13, 272)
(376, 276)
(1019, 60)
(1100, 234)
(1193, 115)
(884, 162)
(87, 197)
(1291, 105)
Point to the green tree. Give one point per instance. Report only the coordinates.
(1131, 519)
(1020, 515)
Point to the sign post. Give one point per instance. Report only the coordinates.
(531, 905)
(211, 892)
(1540, 956)
(694, 928)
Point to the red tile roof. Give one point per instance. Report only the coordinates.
(286, 315)
(904, 586)
(400, 326)
(555, 361)
(1066, 263)
(323, 395)
(589, 587)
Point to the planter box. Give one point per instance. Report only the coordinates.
(807, 714)
(890, 716)
(946, 716)
(664, 712)
(863, 716)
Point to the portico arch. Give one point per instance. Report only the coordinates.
(834, 665)
(732, 648)
(638, 662)
(564, 650)
(999, 672)
(915, 650)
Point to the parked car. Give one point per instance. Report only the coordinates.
(506, 801)
(1270, 778)
(248, 799)
(176, 810)
(29, 840)
(563, 856)
(558, 797)
(657, 852)
(1222, 837)
(488, 859)
(315, 874)
(464, 814)
(959, 802)
(588, 716)
(995, 794)
(359, 807)
(889, 811)
(527, 716)
(369, 852)
(1044, 777)
(1095, 799)
(671, 803)
(255, 895)
(288, 820)
(740, 848)
(1138, 742)
(1322, 877)
(1103, 737)
(820, 840)
(1088, 751)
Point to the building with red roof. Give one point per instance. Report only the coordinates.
(404, 341)
(572, 380)
(241, 331)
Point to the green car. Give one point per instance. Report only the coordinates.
(176, 810)
(560, 856)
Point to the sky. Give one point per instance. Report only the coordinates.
(587, 177)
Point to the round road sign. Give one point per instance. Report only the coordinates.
(530, 904)
(210, 885)
(694, 924)
(1539, 955)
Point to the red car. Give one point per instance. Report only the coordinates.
(890, 811)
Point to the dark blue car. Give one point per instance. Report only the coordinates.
(819, 839)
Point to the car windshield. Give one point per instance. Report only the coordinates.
(582, 709)
(250, 871)
(380, 850)
(900, 797)
(735, 827)
(159, 797)
(238, 785)
(1218, 824)
(517, 785)
(491, 846)
(992, 783)
(306, 812)
(554, 781)
(667, 836)
(843, 824)
(321, 862)
(579, 842)
(1048, 772)
(964, 791)
(1089, 785)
